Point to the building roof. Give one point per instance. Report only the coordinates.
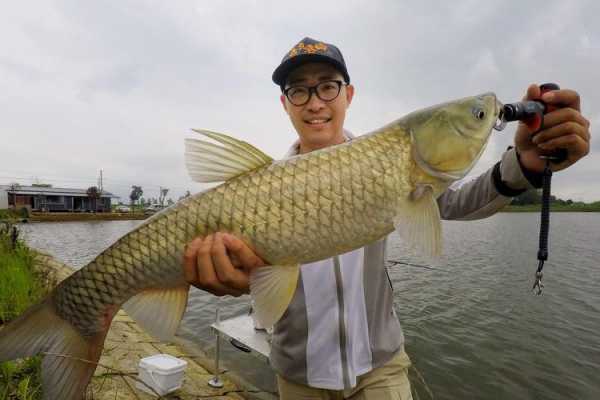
(51, 191)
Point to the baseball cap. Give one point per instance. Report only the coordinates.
(309, 50)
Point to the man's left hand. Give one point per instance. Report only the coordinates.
(563, 128)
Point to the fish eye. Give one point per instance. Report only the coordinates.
(479, 113)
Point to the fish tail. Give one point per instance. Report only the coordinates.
(69, 358)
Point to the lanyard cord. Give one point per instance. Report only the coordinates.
(542, 254)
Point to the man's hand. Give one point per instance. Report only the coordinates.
(220, 264)
(563, 128)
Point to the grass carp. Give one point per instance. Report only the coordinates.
(292, 211)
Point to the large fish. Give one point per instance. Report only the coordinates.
(293, 211)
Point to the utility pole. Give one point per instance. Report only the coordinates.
(100, 182)
(100, 190)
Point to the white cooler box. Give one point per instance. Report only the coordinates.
(162, 372)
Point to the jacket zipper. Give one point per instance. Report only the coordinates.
(342, 325)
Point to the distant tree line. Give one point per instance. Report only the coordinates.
(534, 196)
(137, 192)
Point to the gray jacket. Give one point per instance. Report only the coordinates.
(341, 322)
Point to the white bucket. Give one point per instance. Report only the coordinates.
(162, 372)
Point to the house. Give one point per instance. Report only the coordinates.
(51, 199)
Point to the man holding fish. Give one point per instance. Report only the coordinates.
(339, 337)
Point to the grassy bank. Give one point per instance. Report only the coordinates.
(575, 207)
(20, 287)
(9, 215)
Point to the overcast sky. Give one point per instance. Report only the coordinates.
(117, 85)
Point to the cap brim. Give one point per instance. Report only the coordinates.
(281, 73)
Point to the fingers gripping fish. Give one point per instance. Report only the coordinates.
(292, 211)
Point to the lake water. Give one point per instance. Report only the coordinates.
(473, 328)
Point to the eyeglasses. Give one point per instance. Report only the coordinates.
(326, 91)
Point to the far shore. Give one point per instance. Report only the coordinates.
(64, 217)
(13, 216)
(594, 207)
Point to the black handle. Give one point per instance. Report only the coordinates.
(240, 346)
(559, 155)
(546, 87)
(522, 110)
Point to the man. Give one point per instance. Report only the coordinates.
(340, 337)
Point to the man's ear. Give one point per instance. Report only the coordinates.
(282, 99)
(349, 94)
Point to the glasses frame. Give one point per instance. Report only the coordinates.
(313, 89)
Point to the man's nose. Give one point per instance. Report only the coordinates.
(315, 103)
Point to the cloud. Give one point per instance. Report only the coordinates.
(118, 85)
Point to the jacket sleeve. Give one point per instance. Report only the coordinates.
(486, 194)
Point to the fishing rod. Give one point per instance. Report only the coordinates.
(525, 111)
(399, 262)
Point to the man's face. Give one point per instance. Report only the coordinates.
(318, 123)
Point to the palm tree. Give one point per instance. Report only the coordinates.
(93, 194)
(135, 194)
(163, 194)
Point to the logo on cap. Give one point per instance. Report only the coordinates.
(302, 48)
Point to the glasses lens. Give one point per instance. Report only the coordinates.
(328, 90)
(297, 95)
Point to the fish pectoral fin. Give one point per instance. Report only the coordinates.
(417, 221)
(159, 310)
(272, 288)
(210, 162)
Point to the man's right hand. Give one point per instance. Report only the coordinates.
(220, 263)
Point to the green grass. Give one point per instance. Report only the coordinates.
(19, 288)
(7, 215)
(21, 380)
(12, 215)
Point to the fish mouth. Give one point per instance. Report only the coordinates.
(500, 123)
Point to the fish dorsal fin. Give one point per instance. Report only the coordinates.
(210, 162)
(159, 311)
(272, 288)
(417, 221)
